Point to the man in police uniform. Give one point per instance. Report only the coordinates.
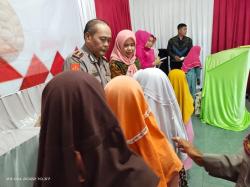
(90, 58)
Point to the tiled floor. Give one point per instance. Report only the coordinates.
(210, 139)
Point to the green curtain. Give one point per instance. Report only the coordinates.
(224, 89)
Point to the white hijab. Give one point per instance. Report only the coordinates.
(162, 101)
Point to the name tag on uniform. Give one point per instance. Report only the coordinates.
(75, 66)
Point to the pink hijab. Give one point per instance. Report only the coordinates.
(192, 59)
(118, 54)
(145, 55)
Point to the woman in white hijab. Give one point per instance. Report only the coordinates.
(162, 101)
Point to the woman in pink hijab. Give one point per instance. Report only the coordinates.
(192, 67)
(144, 51)
(123, 60)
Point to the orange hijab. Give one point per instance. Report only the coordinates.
(126, 99)
(179, 82)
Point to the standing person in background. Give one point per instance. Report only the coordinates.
(178, 80)
(179, 46)
(123, 60)
(192, 67)
(90, 58)
(161, 98)
(144, 51)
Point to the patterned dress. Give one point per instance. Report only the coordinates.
(119, 68)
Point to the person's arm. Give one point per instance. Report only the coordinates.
(222, 166)
(157, 61)
(75, 64)
(169, 49)
(186, 147)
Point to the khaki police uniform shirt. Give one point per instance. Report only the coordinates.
(235, 168)
(83, 60)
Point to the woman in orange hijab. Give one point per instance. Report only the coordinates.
(126, 99)
(179, 82)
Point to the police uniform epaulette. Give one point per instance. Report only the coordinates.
(78, 54)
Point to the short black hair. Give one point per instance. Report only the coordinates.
(181, 25)
(90, 26)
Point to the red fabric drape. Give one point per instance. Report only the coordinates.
(116, 13)
(231, 24)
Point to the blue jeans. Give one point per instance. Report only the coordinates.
(192, 76)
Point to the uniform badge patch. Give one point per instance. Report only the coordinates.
(75, 66)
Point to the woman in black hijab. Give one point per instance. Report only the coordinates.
(81, 143)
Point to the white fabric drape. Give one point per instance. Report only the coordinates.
(87, 11)
(19, 137)
(18, 157)
(20, 110)
(40, 28)
(161, 18)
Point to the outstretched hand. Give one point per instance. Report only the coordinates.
(186, 147)
(157, 61)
